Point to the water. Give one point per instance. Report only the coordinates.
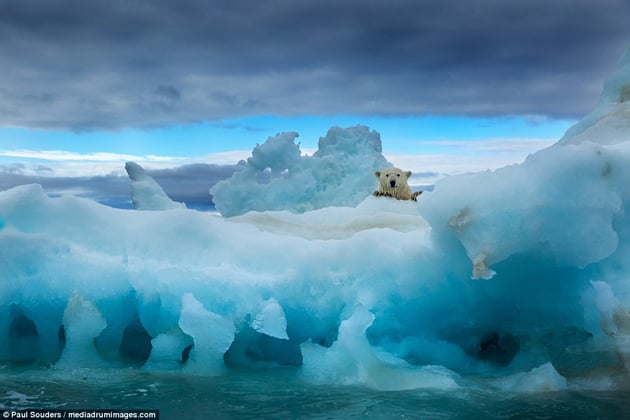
(281, 394)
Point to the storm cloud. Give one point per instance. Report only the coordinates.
(117, 64)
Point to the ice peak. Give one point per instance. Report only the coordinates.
(609, 122)
(147, 194)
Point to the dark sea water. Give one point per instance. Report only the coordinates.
(283, 395)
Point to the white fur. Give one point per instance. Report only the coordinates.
(393, 183)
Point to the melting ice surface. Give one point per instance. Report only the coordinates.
(518, 278)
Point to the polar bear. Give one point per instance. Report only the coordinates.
(393, 183)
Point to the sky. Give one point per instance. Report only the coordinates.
(451, 85)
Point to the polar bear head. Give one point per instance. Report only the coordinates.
(393, 183)
(393, 178)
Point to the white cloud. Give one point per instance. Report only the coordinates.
(448, 157)
(509, 145)
(61, 163)
(62, 155)
(229, 157)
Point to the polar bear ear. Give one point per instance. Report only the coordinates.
(377, 174)
(408, 173)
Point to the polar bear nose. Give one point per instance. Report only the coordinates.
(392, 183)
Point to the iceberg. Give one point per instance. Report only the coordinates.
(146, 194)
(518, 277)
(278, 177)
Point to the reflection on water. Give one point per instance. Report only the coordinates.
(280, 394)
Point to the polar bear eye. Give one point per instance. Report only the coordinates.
(398, 175)
(386, 175)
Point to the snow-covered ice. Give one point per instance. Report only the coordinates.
(519, 275)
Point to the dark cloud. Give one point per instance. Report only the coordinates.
(188, 183)
(108, 65)
(233, 126)
(168, 93)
